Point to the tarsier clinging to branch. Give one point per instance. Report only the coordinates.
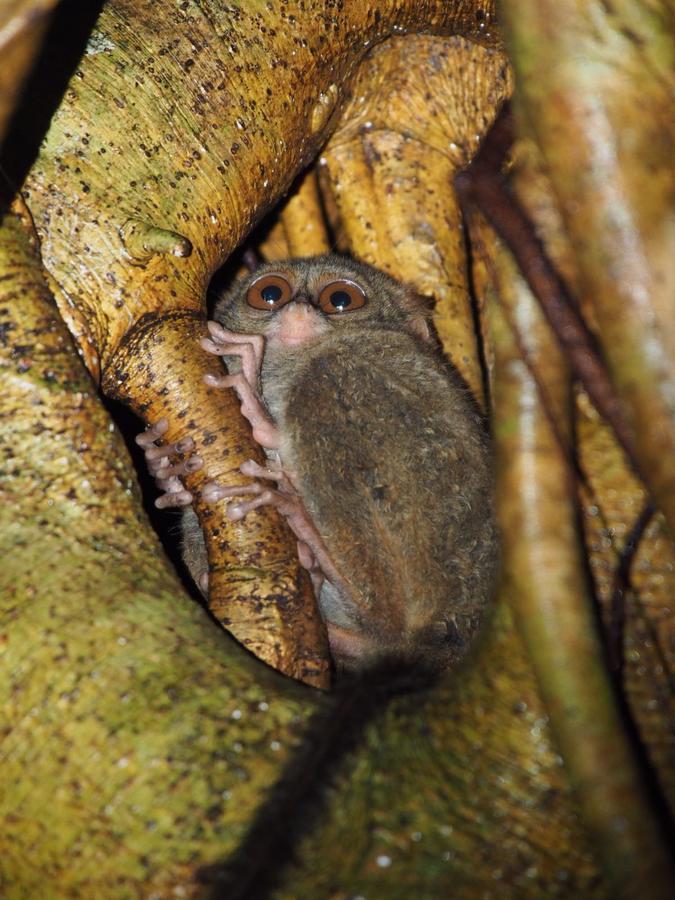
(377, 457)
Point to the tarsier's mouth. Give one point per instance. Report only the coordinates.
(294, 340)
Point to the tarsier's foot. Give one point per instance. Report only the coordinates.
(158, 459)
(308, 561)
(312, 552)
(271, 471)
(249, 348)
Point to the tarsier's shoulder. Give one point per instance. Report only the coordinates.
(376, 355)
(384, 370)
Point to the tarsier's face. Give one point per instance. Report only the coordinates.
(295, 301)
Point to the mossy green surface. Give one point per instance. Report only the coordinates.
(138, 739)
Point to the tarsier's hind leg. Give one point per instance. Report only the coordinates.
(312, 552)
(167, 475)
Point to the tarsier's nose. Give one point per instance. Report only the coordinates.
(297, 321)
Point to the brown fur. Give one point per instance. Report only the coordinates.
(391, 459)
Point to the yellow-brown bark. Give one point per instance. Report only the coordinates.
(544, 575)
(139, 193)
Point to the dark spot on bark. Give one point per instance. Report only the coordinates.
(213, 813)
(5, 328)
(633, 37)
(281, 600)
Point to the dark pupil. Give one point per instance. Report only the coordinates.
(340, 299)
(271, 293)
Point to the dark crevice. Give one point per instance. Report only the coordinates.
(62, 48)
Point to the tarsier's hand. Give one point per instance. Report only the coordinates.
(249, 348)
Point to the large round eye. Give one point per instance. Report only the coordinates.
(269, 292)
(341, 297)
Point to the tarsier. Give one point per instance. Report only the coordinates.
(377, 457)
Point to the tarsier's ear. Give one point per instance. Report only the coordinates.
(419, 309)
